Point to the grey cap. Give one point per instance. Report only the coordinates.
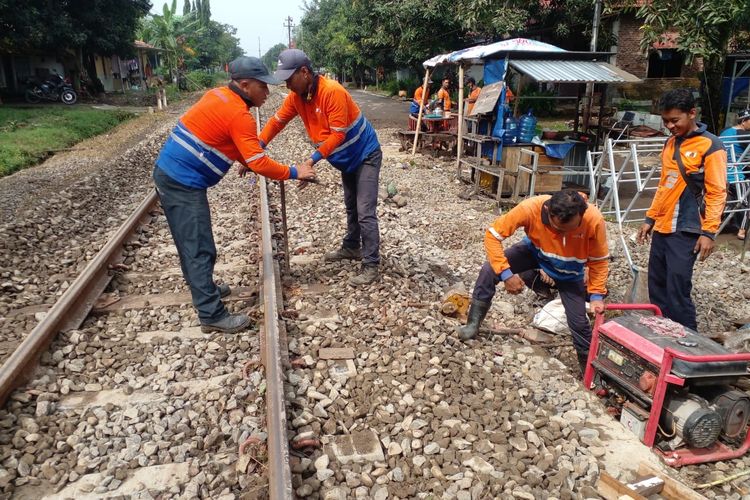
(290, 61)
(250, 67)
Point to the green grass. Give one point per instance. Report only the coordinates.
(28, 135)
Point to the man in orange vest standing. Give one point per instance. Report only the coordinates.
(343, 136)
(217, 131)
(685, 213)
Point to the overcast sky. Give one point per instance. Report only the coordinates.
(253, 19)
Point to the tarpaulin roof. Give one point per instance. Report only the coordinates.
(572, 71)
(483, 51)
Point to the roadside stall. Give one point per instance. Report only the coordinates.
(508, 164)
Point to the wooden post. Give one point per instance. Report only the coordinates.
(158, 100)
(460, 145)
(517, 104)
(421, 108)
(164, 97)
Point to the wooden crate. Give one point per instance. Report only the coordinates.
(545, 182)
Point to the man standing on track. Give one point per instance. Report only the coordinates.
(208, 139)
(343, 136)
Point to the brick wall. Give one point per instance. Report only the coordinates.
(629, 55)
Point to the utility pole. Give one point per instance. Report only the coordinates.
(590, 86)
(259, 56)
(289, 25)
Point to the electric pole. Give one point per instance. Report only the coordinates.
(289, 25)
(590, 86)
(259, 56)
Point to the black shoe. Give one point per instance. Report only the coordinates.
(369, 274)
(344, 253)
(231, 324)
(477, 312)
(224, 290)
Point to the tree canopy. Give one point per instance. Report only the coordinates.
(192, 40)
(106, 27)
(271, 57)
(341, 34)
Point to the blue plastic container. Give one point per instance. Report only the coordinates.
(511, 130)
(527, 127)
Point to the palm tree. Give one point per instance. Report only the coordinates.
(169, 31)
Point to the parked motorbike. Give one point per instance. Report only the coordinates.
(54, 88)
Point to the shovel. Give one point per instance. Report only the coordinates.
(638, 291)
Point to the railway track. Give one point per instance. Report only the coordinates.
(116, 393)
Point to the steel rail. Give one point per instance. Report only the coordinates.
(72, 307)
(280, 474)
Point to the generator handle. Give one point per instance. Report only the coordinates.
(692, 358)
(633, 307)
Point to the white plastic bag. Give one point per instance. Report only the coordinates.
(551, 318)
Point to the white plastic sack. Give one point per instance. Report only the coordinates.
(551, 318)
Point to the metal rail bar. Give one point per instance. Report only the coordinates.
(280, 474)
(76, 302)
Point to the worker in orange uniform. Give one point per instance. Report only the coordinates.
(343, 136)
(419, 96)
(685, 213)
(208, 139)
(564, 235)
(474, 92)
(444, 95)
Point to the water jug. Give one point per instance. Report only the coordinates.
(527, 127)
(511, 130)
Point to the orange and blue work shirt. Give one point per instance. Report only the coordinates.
(563, 256)
(217, 131)
(419, 94)
(341, 133)
(445, 96)
(675, 207)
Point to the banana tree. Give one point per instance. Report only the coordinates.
(170, 32)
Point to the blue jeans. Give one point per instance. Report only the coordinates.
(361, 200)
(189, 219)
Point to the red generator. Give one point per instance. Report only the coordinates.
(672, 387)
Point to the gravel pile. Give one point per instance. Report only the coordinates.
(491, 419)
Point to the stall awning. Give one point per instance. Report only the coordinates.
(572, 71)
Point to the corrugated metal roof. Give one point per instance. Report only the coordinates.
(573, 71)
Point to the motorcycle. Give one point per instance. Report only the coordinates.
(54, 88)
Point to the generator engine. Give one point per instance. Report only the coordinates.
(692, 413)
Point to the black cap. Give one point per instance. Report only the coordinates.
(290, 61)
(250, 67)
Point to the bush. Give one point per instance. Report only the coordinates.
(201, 79)
(409, 85)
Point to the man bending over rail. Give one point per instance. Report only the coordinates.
(217, 131)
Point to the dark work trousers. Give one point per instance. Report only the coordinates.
(572, 293)
(361, 200)
(189, 219)
(670, 275)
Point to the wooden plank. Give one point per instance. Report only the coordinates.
(336, 353)
(612, 489)
(673, 489)
(168, 299)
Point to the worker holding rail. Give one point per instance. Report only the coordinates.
(343, 136)
(564, 236)
(217, 131)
